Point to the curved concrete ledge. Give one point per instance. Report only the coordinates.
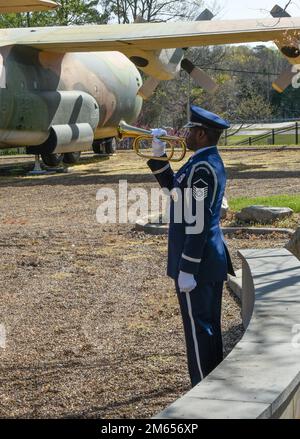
(144, 225)
(260, 378)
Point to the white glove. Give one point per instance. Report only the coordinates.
(186, 282)
(158, 147)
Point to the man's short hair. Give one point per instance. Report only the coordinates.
(213, 135)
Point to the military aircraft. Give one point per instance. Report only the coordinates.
(63, 89)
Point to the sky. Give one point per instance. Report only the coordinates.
(233, 9)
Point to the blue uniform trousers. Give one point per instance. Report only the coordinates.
(201, 315)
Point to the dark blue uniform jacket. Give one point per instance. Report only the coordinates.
(203, 254)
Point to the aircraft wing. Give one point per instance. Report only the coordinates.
(143, 43)
(128, 38)
(25, 5)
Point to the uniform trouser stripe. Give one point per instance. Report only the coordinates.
(196, 347)
(201, 315)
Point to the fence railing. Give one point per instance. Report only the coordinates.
(271, 136)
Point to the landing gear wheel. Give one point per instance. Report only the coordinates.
(110, 146)
(98, 147)
(52, 160)
(71, 157)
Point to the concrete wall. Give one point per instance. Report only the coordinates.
(260, 378)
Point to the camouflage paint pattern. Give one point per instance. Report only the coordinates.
(40, 90)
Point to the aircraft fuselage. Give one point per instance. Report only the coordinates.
(69, 97)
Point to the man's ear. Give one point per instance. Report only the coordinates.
(200, 135)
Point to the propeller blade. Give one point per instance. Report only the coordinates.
(178, 54)
(286, 77)
(199, 76)
(278, 12)
(284, 80)
(205, 15)
(148, 88)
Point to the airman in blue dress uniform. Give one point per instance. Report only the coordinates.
(198, 259)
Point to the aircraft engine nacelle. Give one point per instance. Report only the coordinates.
(66, 138)
(161, 64)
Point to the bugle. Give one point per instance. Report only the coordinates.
(139, 135)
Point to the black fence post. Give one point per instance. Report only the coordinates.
(250, 141)
(273, 136)
(297, 133)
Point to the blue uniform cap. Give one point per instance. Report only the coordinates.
(201, 117)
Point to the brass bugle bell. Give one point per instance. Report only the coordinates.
(140, 135)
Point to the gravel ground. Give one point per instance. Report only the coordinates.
(92, 323)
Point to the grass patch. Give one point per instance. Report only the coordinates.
(280, 140)
(291, 201)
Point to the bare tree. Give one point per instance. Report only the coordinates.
(128, 11)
